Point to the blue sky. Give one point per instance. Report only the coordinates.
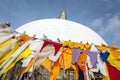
(102, 16)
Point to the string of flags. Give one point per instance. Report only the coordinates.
(22, 57)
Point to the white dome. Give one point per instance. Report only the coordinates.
(62, 29)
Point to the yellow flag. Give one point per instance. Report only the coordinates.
(23, 54)
(2, 54)
(75, 68)
(55, 71)
(16, 46)
(6, 47)
(47, 64)
(5, 43)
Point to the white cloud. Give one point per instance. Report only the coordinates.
(117, 38)
(108, 14)
(112, 30)
(113, 24)
(97, 22)
(101, 31)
